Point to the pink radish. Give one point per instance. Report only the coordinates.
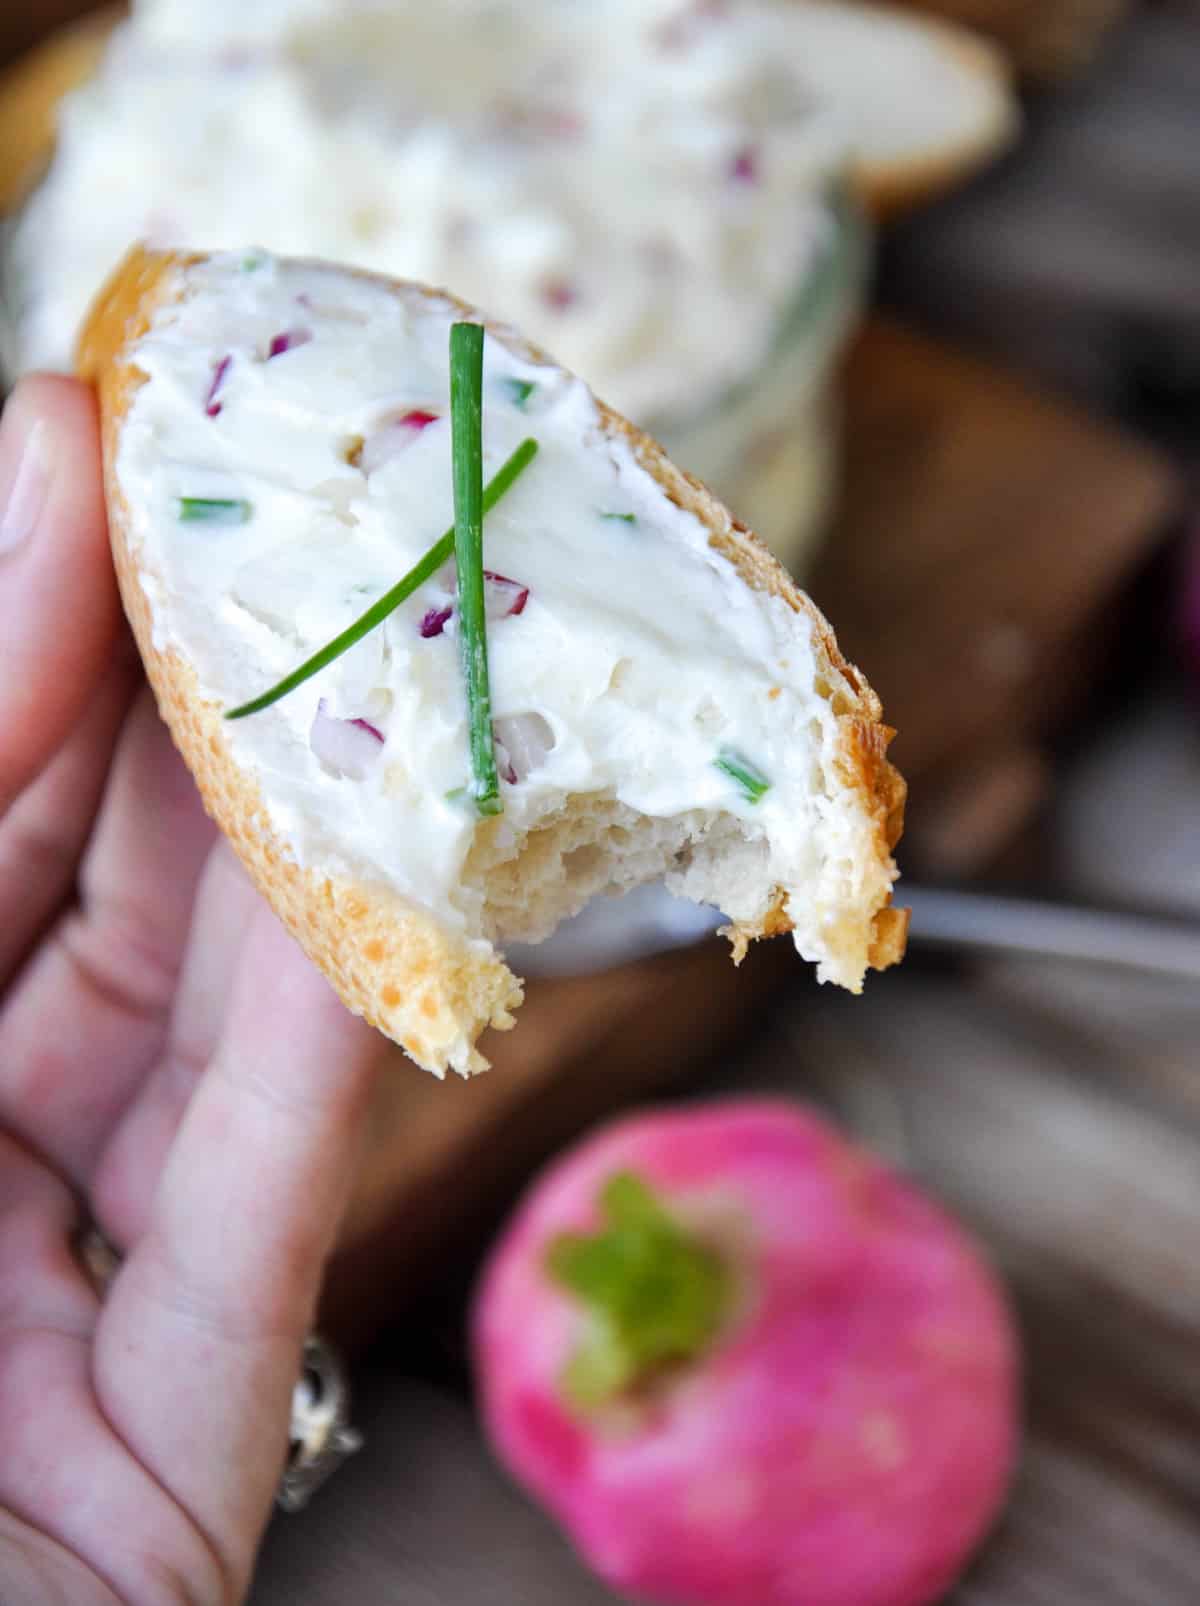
(744, 1364)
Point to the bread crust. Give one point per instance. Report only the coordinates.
(390, 961)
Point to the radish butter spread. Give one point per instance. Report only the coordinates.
(289, 459)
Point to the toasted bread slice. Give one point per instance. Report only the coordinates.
(667, 702)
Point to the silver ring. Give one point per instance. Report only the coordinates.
(320, 1437)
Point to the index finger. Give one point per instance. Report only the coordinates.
(199, 1342)
(59, 609)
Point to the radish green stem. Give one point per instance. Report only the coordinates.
(656, 1294)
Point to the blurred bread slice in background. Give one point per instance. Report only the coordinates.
(929, 102)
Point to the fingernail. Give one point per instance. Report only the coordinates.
(24, 481)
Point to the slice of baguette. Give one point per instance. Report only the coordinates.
(426, 979)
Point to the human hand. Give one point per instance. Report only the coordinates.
(171, 1066)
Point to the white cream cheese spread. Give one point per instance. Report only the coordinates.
(289, 460)
(639, 184)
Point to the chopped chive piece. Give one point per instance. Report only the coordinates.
(214, 509)
(500, 482)
(749, 777)
(623, 518)
(252, 262)
(466, 450)
(519, 391)
(455, 792)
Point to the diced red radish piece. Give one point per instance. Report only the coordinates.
(393, 438)
(288, 341)
(745, 1364)
(212, 406)
(559, 295)
(504, 764)
(435, 621)
(523, 743)
(744, 167)
(349, 747)
(503, 598)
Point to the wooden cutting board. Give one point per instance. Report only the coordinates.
(986, 539)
